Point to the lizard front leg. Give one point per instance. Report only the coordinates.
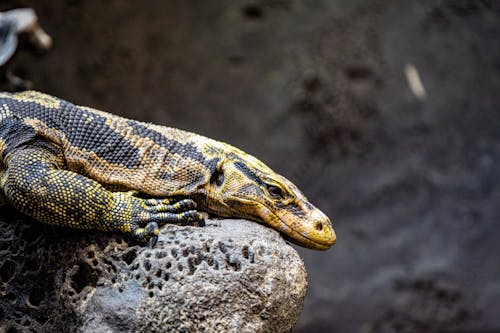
(36, 185)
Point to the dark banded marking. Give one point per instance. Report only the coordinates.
(211, 164)
(249, 173)
(185, 150)
(15, 134)
(93, 136)
(292, 208)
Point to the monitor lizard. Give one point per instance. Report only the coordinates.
(79, 167)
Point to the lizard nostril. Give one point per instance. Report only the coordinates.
(318, 226)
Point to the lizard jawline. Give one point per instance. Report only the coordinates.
(266, 216)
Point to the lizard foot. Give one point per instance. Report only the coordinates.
(162, 211)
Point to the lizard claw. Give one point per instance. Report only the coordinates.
(149, 232)
(153, 241)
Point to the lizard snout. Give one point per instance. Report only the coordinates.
(321, 230)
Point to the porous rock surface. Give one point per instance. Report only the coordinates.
(230, 276)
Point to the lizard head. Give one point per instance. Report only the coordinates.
(243, 186)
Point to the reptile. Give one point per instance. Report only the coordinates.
(79, 167)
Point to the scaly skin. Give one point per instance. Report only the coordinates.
(79, 167)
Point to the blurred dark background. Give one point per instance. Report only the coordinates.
(325, 92)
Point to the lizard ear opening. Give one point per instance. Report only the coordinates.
(217, 177)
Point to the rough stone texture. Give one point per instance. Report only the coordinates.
(230, 276)
(316, 88)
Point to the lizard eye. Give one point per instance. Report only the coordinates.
(217, 178)
(275, 192)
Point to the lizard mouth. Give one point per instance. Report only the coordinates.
(264, 214)
(302, 240)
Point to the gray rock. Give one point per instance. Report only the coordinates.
(230, 276)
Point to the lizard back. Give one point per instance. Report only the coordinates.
(115, 151)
